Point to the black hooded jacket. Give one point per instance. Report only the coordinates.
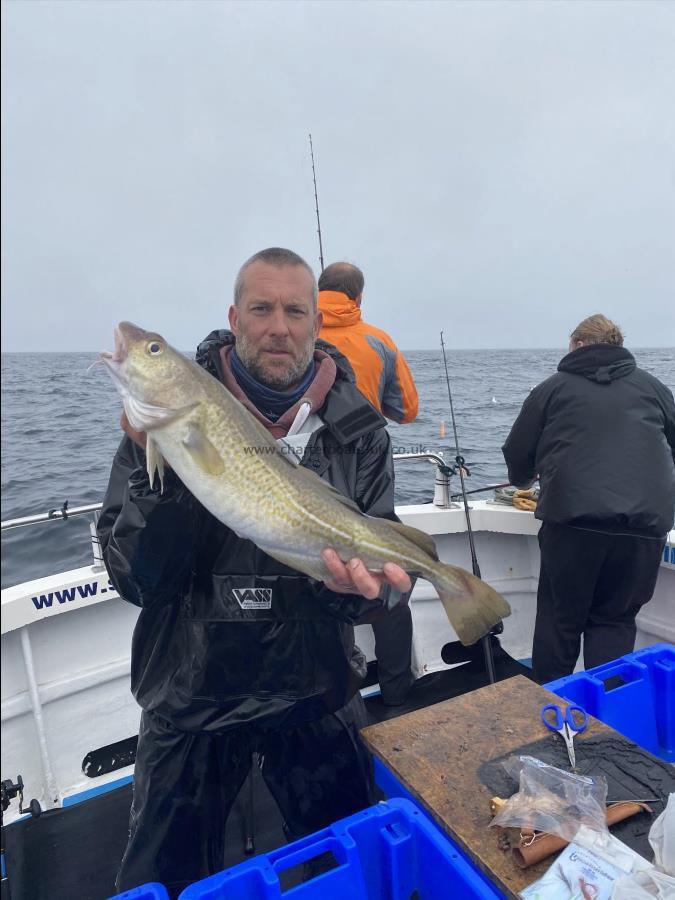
(600, 434)
(228, 636)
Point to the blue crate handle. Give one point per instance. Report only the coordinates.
(150, 891)
(343, 849)
(561, 719)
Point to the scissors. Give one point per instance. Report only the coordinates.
(565, 724)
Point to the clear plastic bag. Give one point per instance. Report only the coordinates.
(552, 800)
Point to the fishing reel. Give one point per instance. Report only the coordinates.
(9, 790)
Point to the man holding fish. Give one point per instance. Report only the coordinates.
(250, 515)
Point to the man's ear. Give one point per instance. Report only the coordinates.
(318, 323)
(232, 319)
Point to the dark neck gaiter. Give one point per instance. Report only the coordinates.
(272, 404)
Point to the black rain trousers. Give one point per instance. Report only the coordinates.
(592, 584)
(186, 784)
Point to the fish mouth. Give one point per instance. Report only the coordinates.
(119, 354)
(126, 335)
(121, 351)
(113, 361)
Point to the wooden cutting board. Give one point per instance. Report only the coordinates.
(436, 753)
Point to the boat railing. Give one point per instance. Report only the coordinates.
(441, 496)
(52, 515)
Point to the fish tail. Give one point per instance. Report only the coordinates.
(471, 605)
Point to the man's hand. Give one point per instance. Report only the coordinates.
(138, 437)
(354, 578)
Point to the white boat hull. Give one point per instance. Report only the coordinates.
(66, 645)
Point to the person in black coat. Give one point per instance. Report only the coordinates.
(235, 654)
(600, 435)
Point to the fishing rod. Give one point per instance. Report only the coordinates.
(488, 487)
(459, 459)
(316, 200)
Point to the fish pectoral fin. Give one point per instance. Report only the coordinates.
(154, 462)
(420, 538)
(202, 451)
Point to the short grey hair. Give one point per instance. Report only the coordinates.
(274, 256)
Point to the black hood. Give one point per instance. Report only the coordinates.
(602, 363)
(223, 337)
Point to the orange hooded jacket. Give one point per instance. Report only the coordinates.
(382, 374)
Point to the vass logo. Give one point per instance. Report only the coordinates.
(253, 598)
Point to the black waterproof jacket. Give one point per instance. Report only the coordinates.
(600, 434)
(228, 636)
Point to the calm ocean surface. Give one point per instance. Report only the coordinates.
(60, 431)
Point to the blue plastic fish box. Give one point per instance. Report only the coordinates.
(388, 851)
(634, 694)
(150, 891)
(391, 787)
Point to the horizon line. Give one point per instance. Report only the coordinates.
(402, 349)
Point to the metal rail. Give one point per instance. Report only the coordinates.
(436, 457)
(53, 515)
(66, 512)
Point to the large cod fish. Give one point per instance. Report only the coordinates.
(233, 466)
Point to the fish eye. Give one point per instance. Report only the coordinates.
(154, 349)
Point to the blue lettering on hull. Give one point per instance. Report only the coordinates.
(67, 595)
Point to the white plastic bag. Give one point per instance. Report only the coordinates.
(662, 838)
(577, 874)
(657, 881)
(608, 847)
(644, 885)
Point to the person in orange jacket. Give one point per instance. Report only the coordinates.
(383, 377)
(382, 374)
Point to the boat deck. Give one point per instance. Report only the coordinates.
(74, 852)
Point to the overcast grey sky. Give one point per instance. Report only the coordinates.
(498, 169)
